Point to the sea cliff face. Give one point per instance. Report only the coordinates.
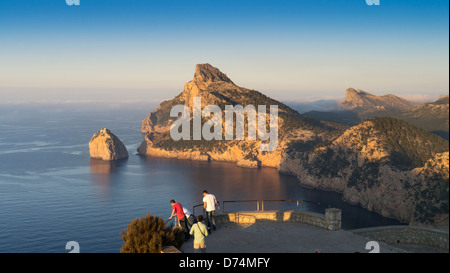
(383, 164)
(243, 153)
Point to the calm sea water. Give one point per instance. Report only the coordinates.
(51, 192)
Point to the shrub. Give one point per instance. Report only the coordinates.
(149, 234)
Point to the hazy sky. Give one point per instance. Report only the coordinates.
(289, 50)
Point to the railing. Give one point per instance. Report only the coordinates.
(175, 219)
(201, 205)
(297, 201)
(196, 206)
(260, 203)
(242, 201)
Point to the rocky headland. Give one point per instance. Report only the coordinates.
(383, 164)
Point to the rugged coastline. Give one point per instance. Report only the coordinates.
(382, 164)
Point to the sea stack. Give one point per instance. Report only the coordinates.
(105, 145)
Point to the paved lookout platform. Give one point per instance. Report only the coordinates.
(290, 232)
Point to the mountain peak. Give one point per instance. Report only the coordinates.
(351, 91)
(205, 74)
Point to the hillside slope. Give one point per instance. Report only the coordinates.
(374, 164)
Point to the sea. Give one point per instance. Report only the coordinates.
(52, 192)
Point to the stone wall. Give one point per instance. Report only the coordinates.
(407, 235)
(331, 220)
(170, 249)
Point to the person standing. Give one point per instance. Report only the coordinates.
(177, 209)
(200, 232)
(209, 205)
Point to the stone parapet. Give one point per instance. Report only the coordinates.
(331, 220)
(407, 235)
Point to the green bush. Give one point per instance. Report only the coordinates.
(149, 234)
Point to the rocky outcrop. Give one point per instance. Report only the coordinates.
(105, 145)
(215, 88)
(432, 197)
(205, 76)
(436, 166)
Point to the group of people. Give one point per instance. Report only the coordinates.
(195, 226)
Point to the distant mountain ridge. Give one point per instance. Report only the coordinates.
(443, 99)
(360, 105)
(358, 99)
(433, 117)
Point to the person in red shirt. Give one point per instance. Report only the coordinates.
(177, 209)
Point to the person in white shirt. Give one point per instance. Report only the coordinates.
(209, 205)
(190, 217)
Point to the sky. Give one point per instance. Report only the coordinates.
(136, 50)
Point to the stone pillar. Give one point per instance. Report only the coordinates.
(333, 218)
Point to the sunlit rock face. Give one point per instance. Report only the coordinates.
(105, 145)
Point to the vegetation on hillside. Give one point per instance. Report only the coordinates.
(409, 146)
